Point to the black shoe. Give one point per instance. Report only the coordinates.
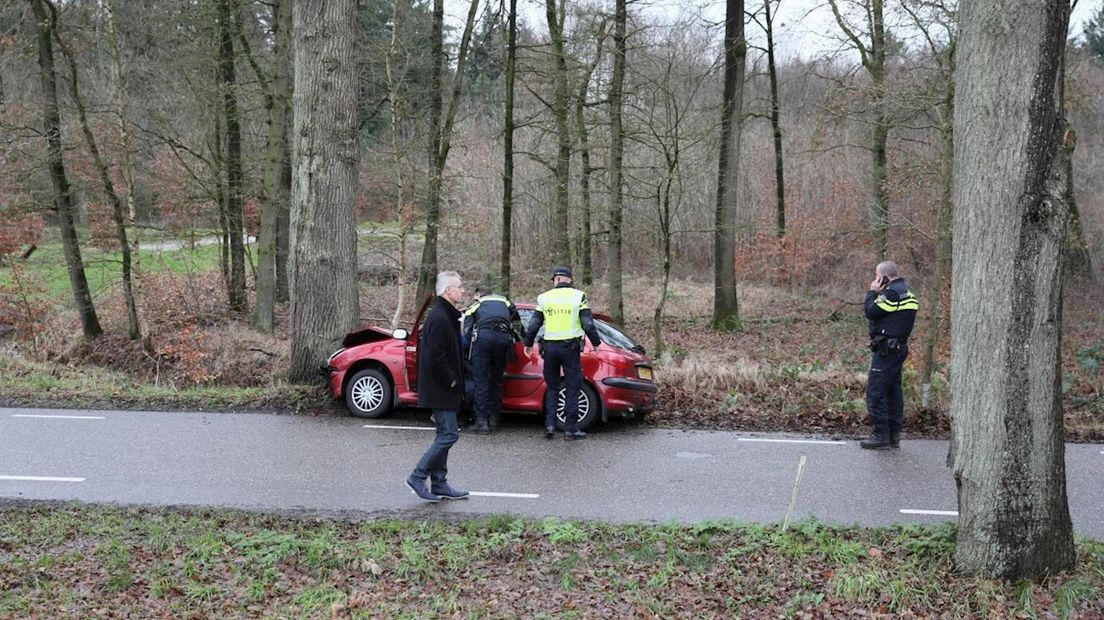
(450, 492)
(574, 435)
(480, 428)
(418, 487)
(549, 432)
(895, 439)
(494, 423)
(876, 442)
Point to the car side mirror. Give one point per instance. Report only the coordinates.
(400, 334)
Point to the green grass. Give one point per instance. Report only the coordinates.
(46, 267)
(77, 560)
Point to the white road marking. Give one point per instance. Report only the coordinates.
(939, 513)
(59, 417)
(402, 428)
(514, 495)
(832, 443)
(42, 478)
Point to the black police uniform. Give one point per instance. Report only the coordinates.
(892, 313)
(487, 326)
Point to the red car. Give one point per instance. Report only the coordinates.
(377, 370)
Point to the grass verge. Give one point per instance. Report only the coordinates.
(89, 561)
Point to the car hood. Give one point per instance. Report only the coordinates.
(366, 334)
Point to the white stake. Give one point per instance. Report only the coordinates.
(793, 495)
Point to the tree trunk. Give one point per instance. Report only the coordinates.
(399, 11)
(440, 133)
(63, 201)
(617, 152)
(726, 312)
(324, 299)
(776, 128)
(508, 153)
(283, 215)
(561, 249)
(936, 318)
(134, 330)
(1078, 259)
(235, 213)
(273, 197)
(877, 69)
(1011, 146)
(584, 245)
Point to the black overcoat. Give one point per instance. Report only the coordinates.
(440, 373)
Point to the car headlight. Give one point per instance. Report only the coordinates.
(335, 354)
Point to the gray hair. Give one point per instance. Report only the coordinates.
(445, 279)
(889, 268)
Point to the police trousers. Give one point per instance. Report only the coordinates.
(885, 399)
(562, 355)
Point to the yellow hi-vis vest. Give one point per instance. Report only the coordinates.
(560, 307)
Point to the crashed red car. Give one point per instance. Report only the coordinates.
(377, 371)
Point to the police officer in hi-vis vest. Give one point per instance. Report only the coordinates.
(489, 333)
(565, 316)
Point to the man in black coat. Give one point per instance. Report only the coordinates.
(440, 388)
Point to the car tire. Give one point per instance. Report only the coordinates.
(590, 408)
(368, 394)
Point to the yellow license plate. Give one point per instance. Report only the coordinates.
(644, 373)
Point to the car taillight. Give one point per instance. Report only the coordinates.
(645, 372)
(335, 354)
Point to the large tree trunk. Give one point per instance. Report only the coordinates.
(324, 300)
(134, 330)
(617, 151)
(776, 127)
(726, 311)
(561, 249)
(63, 201)
(877, 69)
(273, 197)
(1010, 219)
(235, 213)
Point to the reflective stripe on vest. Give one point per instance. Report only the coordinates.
(908, 302)
(560, 307)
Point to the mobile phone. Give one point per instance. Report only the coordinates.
(883, 281)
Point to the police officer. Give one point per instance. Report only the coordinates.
(891, 308)
(566, 318)
(487, 327)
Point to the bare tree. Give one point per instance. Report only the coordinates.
(775, 118)
(617, 153)
(63, 200)
(726, 311)
(584, 245)
(273, 197)
(1011, 146)
(440, 133)
(324, 299)
(561, 249)
(873, 56)
(235, 212)
(508, 151)
(134, 329)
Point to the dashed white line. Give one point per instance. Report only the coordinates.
(401, 428)
(938, 513)
(59, 417)
(513, 495)
(819, 441)
(42, 478)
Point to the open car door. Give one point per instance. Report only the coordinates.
(412, 346)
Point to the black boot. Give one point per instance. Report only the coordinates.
(876, 441)
(495, 421)
(480, 427)
(895, 439)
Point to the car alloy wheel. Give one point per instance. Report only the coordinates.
(588, 408)
(368, 394)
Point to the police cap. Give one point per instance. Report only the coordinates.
(561, 271)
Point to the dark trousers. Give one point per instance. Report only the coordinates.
(434, 463)
(562, 354)
(489, 354)
(885, 398)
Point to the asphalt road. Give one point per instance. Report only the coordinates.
(340, 465)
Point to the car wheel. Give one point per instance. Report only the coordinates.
(368, 394)
(589, 408)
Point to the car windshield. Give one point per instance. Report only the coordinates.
(607, 332)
